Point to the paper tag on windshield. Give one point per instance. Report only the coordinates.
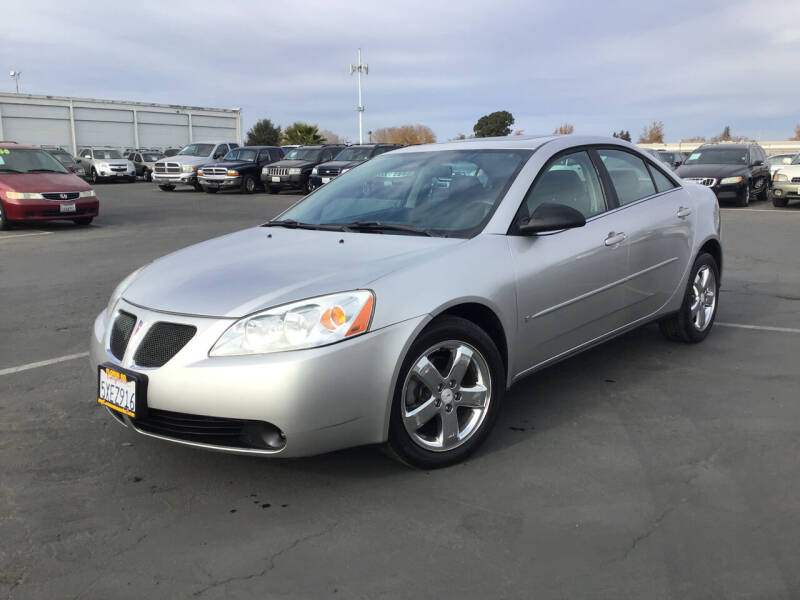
(694, 156)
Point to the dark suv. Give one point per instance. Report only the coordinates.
(240, 169)
(737, 172)
(294, 170)
(350, 157)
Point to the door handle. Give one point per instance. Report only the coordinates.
(614, 239)
(684, 212)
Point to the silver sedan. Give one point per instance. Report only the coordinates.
(397, 304)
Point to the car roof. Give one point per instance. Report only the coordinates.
(15, 146)
(509, 142)
(741, 145)
(256, 147)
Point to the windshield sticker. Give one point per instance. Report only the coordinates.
(695, 156)
(2, 162)
(5, 151)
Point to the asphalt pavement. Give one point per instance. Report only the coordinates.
(639, 469)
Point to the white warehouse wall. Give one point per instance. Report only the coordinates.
(79, 122)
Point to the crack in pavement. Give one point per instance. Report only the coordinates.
(271, 561)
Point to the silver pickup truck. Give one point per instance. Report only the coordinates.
(181, 169)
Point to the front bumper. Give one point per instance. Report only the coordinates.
(322, 399)
(786, 189)
(46, 210)
(218, 183)
(285, 181)
(174, 179)
(317, 180)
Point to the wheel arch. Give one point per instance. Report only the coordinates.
(714, 248)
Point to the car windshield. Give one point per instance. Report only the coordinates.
(152, 156)
(796, 160)
(303, 154)
(197, 150)
(428, 191)
(665, 156)
(241, 155)
(17, 160)
(106, 154)
(354, 153)
(718, 156)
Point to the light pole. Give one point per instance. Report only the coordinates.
(15, 76)
(360, 68)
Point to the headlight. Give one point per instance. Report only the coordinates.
(118, 291)
(24, 196)
(314, 171)
(729, 180)
(295, 171)
(103, 165)
(343, 171)
(233, 173)
(187, 169)
(780, 177)
(264, 171)
(199, 172)
(87, 194)
(305, 324)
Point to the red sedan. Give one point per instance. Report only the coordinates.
(34, 186)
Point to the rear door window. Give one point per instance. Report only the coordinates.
(629, 175)
(663, 183)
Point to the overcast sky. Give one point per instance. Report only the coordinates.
(697, 66)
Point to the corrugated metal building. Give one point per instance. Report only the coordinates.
(74, 123)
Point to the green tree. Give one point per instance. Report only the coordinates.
(302, 133)
(623, 135)
(496, 124)
(264, 133)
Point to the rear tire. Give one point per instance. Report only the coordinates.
(95, 178)
(132, 179)
(197, 187)
(211, 190)
(166, 188)
(763, 193)
(683, 325)
(146, 175)
(421, 406)
(83, 221)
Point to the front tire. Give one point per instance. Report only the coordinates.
(779, 202)
(274, 189)
(448, 395)
(83, 221)
(95, 178)
(693, 322)
(763, 193)
(166, 188)
(210, 190)
(248, 185)
(744, 198)
(4, 222)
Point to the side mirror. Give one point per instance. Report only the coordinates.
(551, 217)
(758, 163)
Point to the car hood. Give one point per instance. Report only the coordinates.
(234, 164)
(185, 160)
(341, 164)
(293, 163)
(788, 170)
(42, 182)
(716, 171)
(263, 267)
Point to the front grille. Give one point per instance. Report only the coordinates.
(795, 179)
(218, 431)
(58, 213)
(277, 170)
(168, 167)
(214, 171)
(61, 196)
(121, 333)
(162, 342)
(329, 172)
(119, 168)
(706, 181)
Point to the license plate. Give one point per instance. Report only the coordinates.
(276, 179)
(67, 208)
(120, 174)
(326, 179)
(120, 391)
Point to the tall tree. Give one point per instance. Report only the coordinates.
(623, 135)
(330, 137)
(725, 136)
(302, 133)
(796, 134)
(264, 133)
(653, 134)
(495, 124)
(564, 129)
(408, 135)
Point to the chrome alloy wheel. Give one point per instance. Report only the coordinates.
(704, 298)
(446, 396)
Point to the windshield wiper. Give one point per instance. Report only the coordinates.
(292, 224)
(378, 226)
(4, 170)
(43, 171)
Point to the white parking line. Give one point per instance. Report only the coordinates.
(7, 238)
(42, 363)
(759, 327)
